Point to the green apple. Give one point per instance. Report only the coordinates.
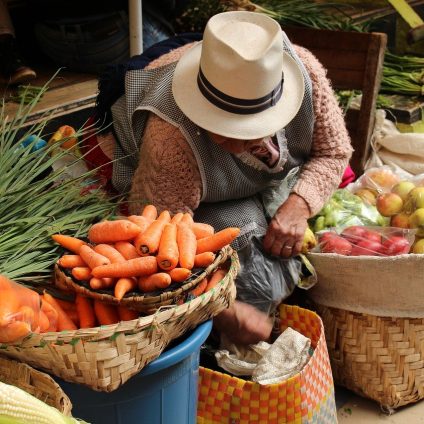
(416, 197)
(389, 204)
(403, 188)
(418, 246)
(416, 220)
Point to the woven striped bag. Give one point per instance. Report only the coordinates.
(307, 397)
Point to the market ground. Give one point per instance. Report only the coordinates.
(353, 409)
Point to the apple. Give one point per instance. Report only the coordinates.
(325, 236)
(372, 235)
(416, 220)
(396, 245)
(354, 233)
(336, 244)
(367, 195)
(400, 220)
(367, 247)
(389, 204)
(418, 246)
(416, 197)
(381, 179)
(403, 188)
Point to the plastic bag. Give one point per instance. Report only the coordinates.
(19, 311)
(369, 241)
(264, 281)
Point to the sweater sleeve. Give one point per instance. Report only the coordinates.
(167, 174)
(331, 148)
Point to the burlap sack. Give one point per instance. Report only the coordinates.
(383, 286)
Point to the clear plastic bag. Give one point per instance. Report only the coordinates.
(19, 311)
(366, 241)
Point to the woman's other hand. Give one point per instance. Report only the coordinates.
(286, 230)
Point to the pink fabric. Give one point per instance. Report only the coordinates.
(348, 177)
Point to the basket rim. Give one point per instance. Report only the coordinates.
(160, 317)
(144, 301)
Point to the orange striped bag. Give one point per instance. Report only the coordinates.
(307, 397)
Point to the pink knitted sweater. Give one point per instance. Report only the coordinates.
(168, 175)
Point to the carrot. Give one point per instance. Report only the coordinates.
(200, 288)
(105, 314)
(187, 219)
(123, 286)
(9, 301)
(126, 249)
(150, 212)
(64, 322)
(202, 230)
(44, 322)
(177, 218)
(160, 280)
(70, 243)
(66, 305)
(126, 314)
(85, 311)
(73, 315)
(131, 268)
(109, 252)
(216, 277)
(14, 331)
(50, 313)
(179, 275)
(92, 258)
(141, 221)
(27, 314)
(187, 245)
(81, 273)
(148, 242)
(101, 283)
(167, 256)
(203, 260)
(111, 231)
(71, 261)
(164, 216)
(218, 240)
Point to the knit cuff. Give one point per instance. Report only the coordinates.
(311, 196)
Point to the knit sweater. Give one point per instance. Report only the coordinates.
(168, 176)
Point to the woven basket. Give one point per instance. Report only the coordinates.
(307, 397)
(34, 382)
(376, 357)
(149, 302)
(103, 358)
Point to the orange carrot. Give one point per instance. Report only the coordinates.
(164, 216)
(92, 258)
(200, 288)
(148, 242)
(202, 230)
(187, 245)
(70, 243)
(71, 261)
(85, 311)
(50, 313)
(126, 314)
(167, 256)
(203, 260)
(73, 315)
(44, 322)
(218, 240)
(101, 283)
(81, 273)
(126, 249)
(66, 305)
(131, 268)
(27, 314)
(9, 301)
(187, 219)
(177, 218)
(14, 331)
(105, 314)
(150, 212)
(64, 322)
(160, 280)
(179, 275)
(216, 277)
(111, 231)
(109, 252)
(123, 286)
(141, 221)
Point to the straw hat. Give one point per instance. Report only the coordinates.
(239, 82)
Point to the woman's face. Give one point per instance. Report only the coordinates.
(232, 145)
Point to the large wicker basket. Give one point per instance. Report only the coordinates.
(307, 397)
(103, 358)
(34, 382)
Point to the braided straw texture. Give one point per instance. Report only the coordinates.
(377, 357)
(148, 302)
(34, 382)
(307, 397)
(104, 358)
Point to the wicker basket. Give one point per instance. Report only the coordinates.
(103, 358)
(149, 302)
(34, 382)
(307, 397)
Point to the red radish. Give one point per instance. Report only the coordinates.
(354, 234)
(336, 244)
(368, 248)
(373, 235)
(396, 245)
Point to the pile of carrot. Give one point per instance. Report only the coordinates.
(145, 252)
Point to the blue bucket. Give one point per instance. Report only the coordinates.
(164, 392)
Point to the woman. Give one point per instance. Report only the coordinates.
(225, 129)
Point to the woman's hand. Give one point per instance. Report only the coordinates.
(286, 230)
